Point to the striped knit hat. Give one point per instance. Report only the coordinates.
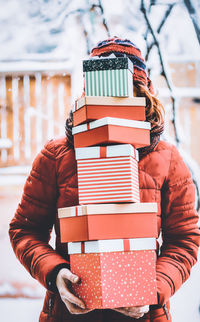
(124, 47)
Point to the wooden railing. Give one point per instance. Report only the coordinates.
(33, 109)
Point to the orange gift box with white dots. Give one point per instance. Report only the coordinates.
(115, 273)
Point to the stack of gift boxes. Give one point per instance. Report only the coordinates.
(111, 236)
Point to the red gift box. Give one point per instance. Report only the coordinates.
(110, 221)
(92, 108)
(110, 130)
(116, 279)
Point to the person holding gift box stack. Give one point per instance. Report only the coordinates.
(109, 173)
(163, 178)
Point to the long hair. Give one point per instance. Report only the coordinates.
(154, 114)
(154, 109)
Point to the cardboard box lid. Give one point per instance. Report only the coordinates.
(111, 245)
(96, 209)
(111, 121)
(96, 152)
(96, 63)
(106, 100)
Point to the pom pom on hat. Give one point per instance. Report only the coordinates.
(124, 47)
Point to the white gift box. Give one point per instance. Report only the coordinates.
(109, 101)
(111, 245)
(109, 151)
(98, 209)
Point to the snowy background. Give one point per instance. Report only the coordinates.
(67, 30)
(62, 32)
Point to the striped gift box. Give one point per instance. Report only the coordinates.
(108, 180)
(108, 174)
(118, 82)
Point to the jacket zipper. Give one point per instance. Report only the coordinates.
(166, 311)
(51, 303)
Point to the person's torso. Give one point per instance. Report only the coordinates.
(153, 170)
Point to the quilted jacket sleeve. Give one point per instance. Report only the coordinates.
(179, 229)
(31, 226)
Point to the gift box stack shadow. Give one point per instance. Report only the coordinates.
(111, 235)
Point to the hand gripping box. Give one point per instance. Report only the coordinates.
(107, 174)
(115, 273)
(108, 221)
(108, 77)
(90, 108)
(110, 130)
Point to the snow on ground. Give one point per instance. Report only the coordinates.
(20, 310)
(184, 304)
(14, 279)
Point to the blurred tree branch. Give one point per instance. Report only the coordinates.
(164, 67)
(193, 15)
(104, 22)
(80, 13)
(162, 23)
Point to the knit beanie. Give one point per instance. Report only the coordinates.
(125, 48)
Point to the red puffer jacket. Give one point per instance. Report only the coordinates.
(52, 184)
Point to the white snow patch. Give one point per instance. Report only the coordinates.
(15, 170)
(190, 58)
(190, 67)
(7, 289)
(5, 143)
(31, 292)
(28, 67)
(23, 310)
(12, 180)
(185, 303)
(180, 92)
(193, 166)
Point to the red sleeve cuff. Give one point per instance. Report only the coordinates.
(51, 279)
(47, 267)
(168, 276)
